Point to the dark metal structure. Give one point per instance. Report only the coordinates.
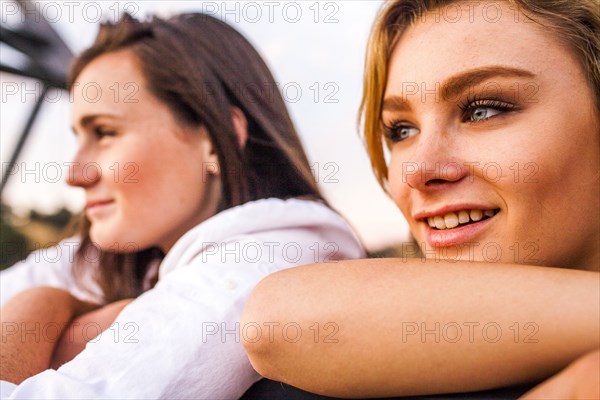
(48, 60)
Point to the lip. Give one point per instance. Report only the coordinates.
(96, 203)
(459, 235)
(95, 207)
(423, 215)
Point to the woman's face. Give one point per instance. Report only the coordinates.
(148, 179)
(495, 152)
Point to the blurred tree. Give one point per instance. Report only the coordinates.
(41, 230)
(14, 245)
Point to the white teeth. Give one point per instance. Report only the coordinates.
(451, 220)
(476, 215)
(463, 217)
(439, 222)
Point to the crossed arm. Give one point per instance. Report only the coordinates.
(376, 328)
(44, 327)
(383, 352)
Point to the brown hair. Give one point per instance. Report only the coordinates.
(576, 22)
(200, 67)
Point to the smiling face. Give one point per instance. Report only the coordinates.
(148, 178)
(494, 136)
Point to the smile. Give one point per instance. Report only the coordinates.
(452, 220)
(96, 209)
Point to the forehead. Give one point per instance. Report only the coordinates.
(117, 65)
(112, 80)
(107, 70)
(467, 35)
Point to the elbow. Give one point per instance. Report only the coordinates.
(279, 319)
(259, 322)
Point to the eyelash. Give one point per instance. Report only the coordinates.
(392, 130)
(471, 105)
(101, 132)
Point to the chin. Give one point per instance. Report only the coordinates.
(102, 242)
(110, 241)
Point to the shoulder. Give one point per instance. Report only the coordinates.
(51, 266)
(267, 226)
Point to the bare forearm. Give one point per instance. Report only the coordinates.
(75, 336)
(31, 326)
(402, 328)
(580, 380)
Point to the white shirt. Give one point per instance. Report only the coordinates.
(50, 267)
(182, 338)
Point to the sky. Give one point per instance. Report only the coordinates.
(316, 53)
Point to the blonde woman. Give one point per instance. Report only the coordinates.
(490, 112)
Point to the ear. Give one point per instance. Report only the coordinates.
(240, 124)
(207, 153)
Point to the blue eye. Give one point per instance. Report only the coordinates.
(484, 109)
(397, 132)
(483, 113)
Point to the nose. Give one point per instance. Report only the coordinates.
(82, 171)
(434, 163)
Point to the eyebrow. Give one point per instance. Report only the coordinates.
(459, 83)
(88, 119)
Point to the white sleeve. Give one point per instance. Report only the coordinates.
(182, 338)
(46, 267)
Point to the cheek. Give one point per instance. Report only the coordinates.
(398, 188)
(170, 180)
(133, 176)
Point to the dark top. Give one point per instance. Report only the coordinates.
(270, 390)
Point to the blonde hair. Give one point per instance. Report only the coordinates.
(576, 22)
